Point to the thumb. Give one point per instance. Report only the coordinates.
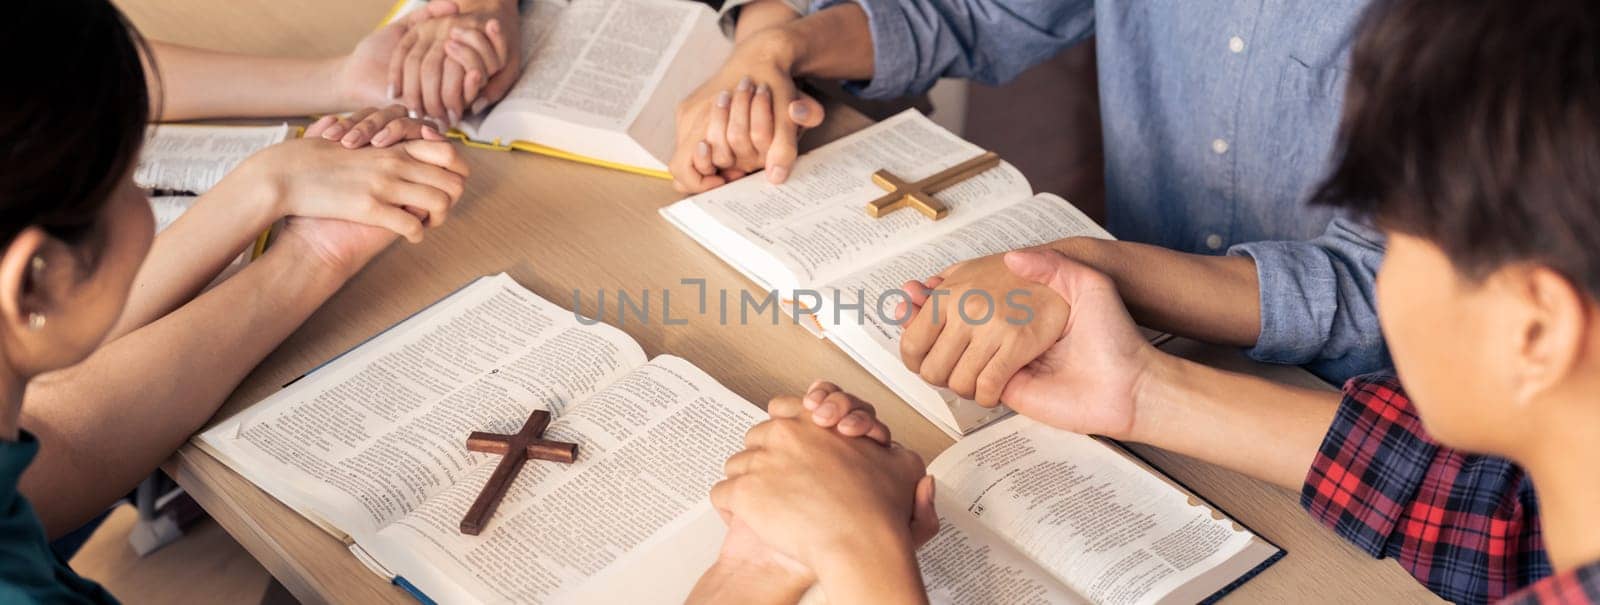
(1048, 268)
(924, 518)
(501, 83)
(806, 112)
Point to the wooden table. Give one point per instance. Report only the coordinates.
(570, 227)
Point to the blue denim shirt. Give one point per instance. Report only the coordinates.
(1218, 117)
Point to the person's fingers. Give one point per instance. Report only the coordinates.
(452, 184)
(806, 112)
(941, 359)
(757, 435)
(497, 38)
(316, 128)
(717, 130)
(397, 64)
(761, 119)
(433, 84)
(819, 390)
(1046, 267)
(919, 336)
(732, 174)
(785, 136)
(411, 80)
(858, 422)
(396, 219)
(992, 381)
(472, 64)
(490, 58)
(723, 496)
(785, 407)
(977, 356)
(916, 291)
(924, 515)
(702, 159)
(834, 408)
(404, 128)
(343, 124)
(434, 203)
(438, 153)
(738, 134)
(364, 130)
(739, 463)
(451, 93)
(933, 282)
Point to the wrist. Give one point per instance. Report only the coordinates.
(781, 46)
(254, 190)
(878, 566)
(758, 582)
(1158, 396)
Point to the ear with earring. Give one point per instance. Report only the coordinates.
(35, 318)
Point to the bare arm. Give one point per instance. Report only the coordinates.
(108, 422)
(196, 83)
(1208, 298)
(1264, 429)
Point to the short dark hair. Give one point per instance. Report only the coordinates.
(73, 112)
(1475, 124)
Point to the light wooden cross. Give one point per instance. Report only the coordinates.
(919, 195)
(515, 449)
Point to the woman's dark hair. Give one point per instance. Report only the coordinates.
(72, 113)
(1475, 124)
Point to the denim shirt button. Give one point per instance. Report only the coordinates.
(1236, 44)
(1220, 146)
(1214, 241)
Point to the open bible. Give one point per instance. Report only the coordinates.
(601, 80)
(1032, 514)
(810, 241)
(371, 447)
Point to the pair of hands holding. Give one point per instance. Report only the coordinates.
(1078, 363)
(442, 61)
(346, 205)
(746, 118)
(818, 487)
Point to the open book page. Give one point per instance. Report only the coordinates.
(191, 159)
(650, 446)
(593, 68)
(1099, 522)
(814, 228)
(368, 437)
(968, 564)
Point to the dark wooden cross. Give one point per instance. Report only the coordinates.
(919, 195)
(515, 450)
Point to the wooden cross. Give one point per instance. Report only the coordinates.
(515, 449)
(919, 195)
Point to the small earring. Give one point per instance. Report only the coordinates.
(37, 264)
(35, 321)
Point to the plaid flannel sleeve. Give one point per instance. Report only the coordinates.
(1467, 526)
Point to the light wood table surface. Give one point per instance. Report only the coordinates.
(566, 227)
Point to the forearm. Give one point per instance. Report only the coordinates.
(834, 43)
(1263, 429)
(1209, 298)
(196, 83)
(109, 421)
(195, 249)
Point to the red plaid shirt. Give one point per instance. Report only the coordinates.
(1466, 525)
